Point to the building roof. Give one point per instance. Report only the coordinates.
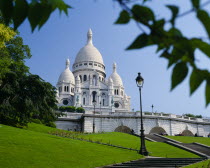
(117, 81)
(89, 52)
(67, 75)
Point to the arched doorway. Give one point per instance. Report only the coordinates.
(187, 133)
(157, 130)
(124, 129)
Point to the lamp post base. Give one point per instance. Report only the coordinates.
(143, 150)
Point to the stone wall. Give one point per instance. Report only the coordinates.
(109, 122)
(172, 126)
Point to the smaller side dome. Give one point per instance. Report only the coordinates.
(117, 81)
(110, 81)
(67, 75)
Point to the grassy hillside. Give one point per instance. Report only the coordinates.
(185, 139)
(204, 164)
(155, 148)
(33, 147)
(121, 139)
(23, 149)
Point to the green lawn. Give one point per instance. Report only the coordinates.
(121, 139)
(186, 139)
(21, 148)
(155, 148)
(33, 147)
(204, 164)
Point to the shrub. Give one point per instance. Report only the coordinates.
(37, 121)
(62, 108)
(70, 108)
(67, 108)
(51, 124)
(80, 110)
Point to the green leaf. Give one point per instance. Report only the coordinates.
(203, 16)
(207, 92)
(59, 4)
(20, 12)
(180, 72)
(6, 8)
(141, 41)
(175, 33)
(123, 18)
(47, 10)
(201, 45)
(196, 3)
(175, 11)
(35, 14)
(196, 78)
(143, 14)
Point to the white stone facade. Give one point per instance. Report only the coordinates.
(109, 122)
(87, 83)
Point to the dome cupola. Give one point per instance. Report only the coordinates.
(89, 57)
(117, 81)
(67, 76)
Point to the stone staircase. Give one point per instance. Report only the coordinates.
(157, 163)
(199, 149)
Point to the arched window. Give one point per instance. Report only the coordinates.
(103, 102)
(80, 78)
(85, 77)
(99, 78)
(64, 88)
(94, 80)
(117, 91)
(83, 101)
(94, 95)
(60, 89)
(67, 88)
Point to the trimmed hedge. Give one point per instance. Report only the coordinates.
(71, 109)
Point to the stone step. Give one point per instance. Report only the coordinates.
(156, 163)
(199, 148)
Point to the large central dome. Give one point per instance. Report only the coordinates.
(89, 52)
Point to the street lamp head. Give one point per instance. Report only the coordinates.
(94, 102)
(139, 80)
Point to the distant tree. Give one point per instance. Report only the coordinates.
(193, 116)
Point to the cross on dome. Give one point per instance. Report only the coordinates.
(89, 37)
(67, 63)
(114, 67)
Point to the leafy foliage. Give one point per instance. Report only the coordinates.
(71, 109)
(36, 11)
(23, 95)
(6, 34)
(193, 116)
(171, 43)
(80, 110)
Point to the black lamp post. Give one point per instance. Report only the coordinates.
(143, 150)
(152, 107)
(94, 105)
(100, 106)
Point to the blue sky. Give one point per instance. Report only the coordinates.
(62, 37)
